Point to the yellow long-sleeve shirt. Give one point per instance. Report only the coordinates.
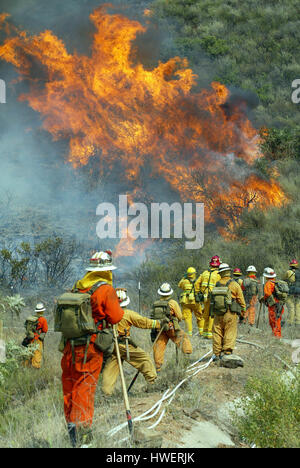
(175, 309)
(290, 276)
(236, 291)
(188, 295)
(133, 319)
(207, 281)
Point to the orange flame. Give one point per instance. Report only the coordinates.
(113, 108)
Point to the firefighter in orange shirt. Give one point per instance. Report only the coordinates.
(276, 309)
(39, 328)
(80, 379)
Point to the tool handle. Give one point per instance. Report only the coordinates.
(125, 395)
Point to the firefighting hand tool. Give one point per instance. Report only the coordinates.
(127, 346)
(125, 395)
(258, 317)
(139, 286)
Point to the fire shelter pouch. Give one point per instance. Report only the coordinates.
(105, 341)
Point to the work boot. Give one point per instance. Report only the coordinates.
(149, 386)
(216, 358)
(72, 434)
(85, 437)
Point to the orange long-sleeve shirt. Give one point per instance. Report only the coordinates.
(42, 327)
(269, 290)
(105, 306)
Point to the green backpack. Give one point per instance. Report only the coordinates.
(160, 310)
(74, 319)
(251, 287)
(281, 291)
(220, 298)
(31, 324)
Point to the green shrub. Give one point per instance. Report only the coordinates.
(15, 355)
(270, 412)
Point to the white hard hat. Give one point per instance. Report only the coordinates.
(101, 261)
(124, 299)
(40, 307)
(165, 290)
(224, 267)
(269, 273)
(251, 268)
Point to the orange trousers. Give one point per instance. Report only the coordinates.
(275, 322)
(180, 339)
(79, 383)
(250, 312)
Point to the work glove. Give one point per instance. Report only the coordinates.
(164, 323)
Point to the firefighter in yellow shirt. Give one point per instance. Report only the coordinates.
(204, 285)
(188, 301)
(226, 320)
(129, 351)
(170, 311)
(292, 277)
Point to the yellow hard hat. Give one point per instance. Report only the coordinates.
(191, 271)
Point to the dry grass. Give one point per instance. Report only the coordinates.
(34, 416)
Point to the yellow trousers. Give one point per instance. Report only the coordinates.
(293, 305)
(37, 358)
(187, 312)
(224, 333)
(207, 321)
(139, 359)
(181, 340)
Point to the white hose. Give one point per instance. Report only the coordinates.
(166, 396)
(159, 419)
(199, 360)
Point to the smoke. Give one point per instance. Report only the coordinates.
(32, 163)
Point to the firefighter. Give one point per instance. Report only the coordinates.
(250, 288)
(292, 277)
(189, 301)
(226, 312)
(129, 351)
(36, 330)
(275, 308)
(204, 285)
(81, 364)
(237, 275)
(169, 311)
